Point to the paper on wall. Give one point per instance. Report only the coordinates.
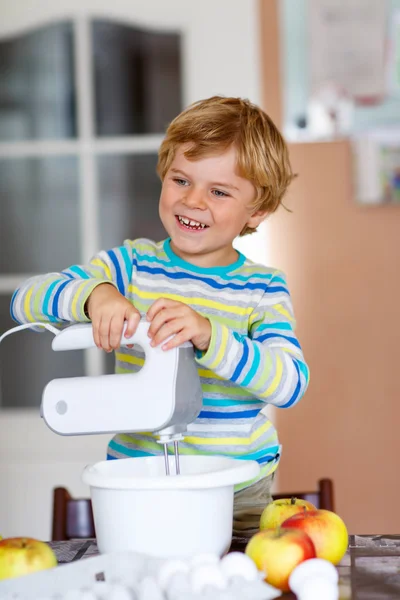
(376, 157)
(348, 46)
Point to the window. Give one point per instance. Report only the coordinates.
(83, 108)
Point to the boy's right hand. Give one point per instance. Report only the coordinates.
(108, 310)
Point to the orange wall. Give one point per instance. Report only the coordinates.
(343, 266)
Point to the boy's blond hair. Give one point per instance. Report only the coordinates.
(211, 126)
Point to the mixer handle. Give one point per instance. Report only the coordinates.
(80, 336)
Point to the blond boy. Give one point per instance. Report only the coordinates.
(224, 168)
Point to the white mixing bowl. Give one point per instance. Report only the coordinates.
(137, 507)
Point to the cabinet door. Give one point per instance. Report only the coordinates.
(87, 88)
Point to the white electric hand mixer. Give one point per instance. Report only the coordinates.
(162, 398)
(190, 514)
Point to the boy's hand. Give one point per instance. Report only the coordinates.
(108, 310)
(169, 317)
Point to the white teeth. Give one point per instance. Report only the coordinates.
(191, 223)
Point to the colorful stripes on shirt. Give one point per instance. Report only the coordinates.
(254, 358)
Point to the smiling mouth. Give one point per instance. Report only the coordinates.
(190, 223)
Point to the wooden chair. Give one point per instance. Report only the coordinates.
(323, 497)
(72, 517)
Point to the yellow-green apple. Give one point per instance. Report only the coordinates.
(281, 509)
(326, 529)
(21, 556)
(277, 552)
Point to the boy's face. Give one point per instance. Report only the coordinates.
(204, 205)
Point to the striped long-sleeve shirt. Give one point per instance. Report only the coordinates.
(254, 358)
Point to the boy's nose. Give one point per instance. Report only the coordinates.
(195, 199)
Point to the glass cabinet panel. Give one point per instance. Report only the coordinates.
(137, 77)
(129, 191)
(27, 363)
(39, 224)
(37, 98)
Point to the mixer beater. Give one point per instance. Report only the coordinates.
(166, 458)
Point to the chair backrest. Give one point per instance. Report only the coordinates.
(323, 497)
(72, 517)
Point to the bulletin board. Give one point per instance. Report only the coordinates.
(295, 62)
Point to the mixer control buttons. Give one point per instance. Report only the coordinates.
(61, 407)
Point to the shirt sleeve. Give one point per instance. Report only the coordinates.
(268, 362)
(60, 297)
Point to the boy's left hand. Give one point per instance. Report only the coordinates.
(169, 317)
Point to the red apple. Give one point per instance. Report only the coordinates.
(281, 509)
(277, 552)
(327, 531)
(21, 556)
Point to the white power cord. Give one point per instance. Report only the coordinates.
(27, 326)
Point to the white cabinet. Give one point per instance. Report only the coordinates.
(86, 90)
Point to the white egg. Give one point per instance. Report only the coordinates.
(207, 575)
(314, 567)
(149, 589)
(179, 585)
(101, 589)
(168, 570)
(237, 564)
(204, 559)
(317, 588)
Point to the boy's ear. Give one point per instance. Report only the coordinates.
(256, 218)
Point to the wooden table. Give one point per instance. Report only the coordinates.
(369, 571)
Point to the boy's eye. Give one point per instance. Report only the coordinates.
(180, 181)
(220, 194)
